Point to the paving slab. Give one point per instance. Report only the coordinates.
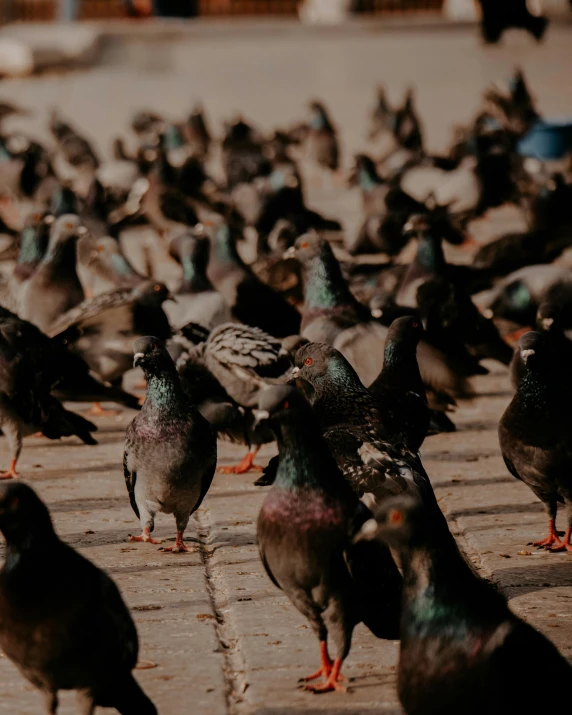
(223, 639)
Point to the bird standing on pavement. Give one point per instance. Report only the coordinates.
(63, 621)
(170, 449)
(534, 433)
(55, 287)
(462, 649)
(305, 530)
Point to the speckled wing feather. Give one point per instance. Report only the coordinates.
(85, 312)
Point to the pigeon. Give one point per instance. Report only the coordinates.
(59, 367)
(517, 297)
(244, 361)
(321, 140)
(102, 328)
(332, 315)
(549, 320)
(534, 432)
(105, 265)
(243, 155)
(170, 449)
(197, 132)
(26, 404)
(73, 633)
(462, 649)
(305, 530)
(197, 301)
(358, 428)
(73, 148)
(399, 389)
(251, 301)
(54, 287)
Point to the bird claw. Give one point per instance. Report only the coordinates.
(560, 546)
(327, 687)
(548, 542)
(9, 474)
(147, 538)
(177, 548)
(96, 410)
(246, 465)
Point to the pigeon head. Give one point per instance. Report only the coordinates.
(532, 348)
(399, 521)
(404, 334)
(325, 369)
(416, 225)
(23, 515)
(318, 116)
(151, 354)
(152, 293)
(549, 317)
(280, 402)
(306, 247)
(364, 173)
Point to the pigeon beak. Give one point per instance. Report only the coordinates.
(294, 375)
(525, 354)
(409, 226)
(172, 298)
(137, 359)
(368, 531)
(376, 313)
(289, 253)
(260, 416)
(81, 231)
(546, 323)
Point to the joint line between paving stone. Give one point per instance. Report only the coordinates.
(234, 668)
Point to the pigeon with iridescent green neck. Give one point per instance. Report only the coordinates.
(170, 448)
(462, 649)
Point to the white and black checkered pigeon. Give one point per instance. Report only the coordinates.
(244, 360)
(63, 622)
(54, 287)
(170, 448)
(102, 329)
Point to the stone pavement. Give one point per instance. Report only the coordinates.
(220, 637)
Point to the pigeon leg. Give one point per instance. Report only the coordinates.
(333, 681)
(179, 545)
(563, 545)
(15, 441)
(146, 536)
(11, 472)
(552, 537)
(325, 668)
(51, 703)
(246, 465)
(96, 410)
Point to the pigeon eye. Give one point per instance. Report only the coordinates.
(395, 516)
(286, 405)
(304, 245)
(157, 288)
(69, 225)
(415, 325)
(308, 361)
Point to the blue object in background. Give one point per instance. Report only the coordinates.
(548, 139)
(68, 10)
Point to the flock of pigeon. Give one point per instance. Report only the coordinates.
(348, 364)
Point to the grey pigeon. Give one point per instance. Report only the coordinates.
(170, 448)
(55, 287)
(63, 622)
(197, 299)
